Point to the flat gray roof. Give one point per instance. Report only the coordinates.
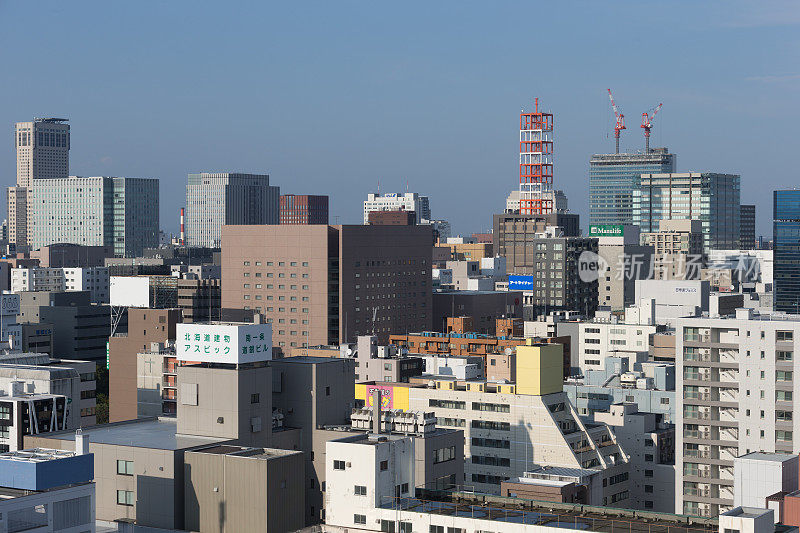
(308, 359)
(156, 433)
(767, 456)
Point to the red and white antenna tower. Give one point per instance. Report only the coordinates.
(620, 125)
(647, 123)
(535, 161)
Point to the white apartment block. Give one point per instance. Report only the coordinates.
(362, 474)
(735, 379)
(409, 201)
(95, 280)
(595, 340)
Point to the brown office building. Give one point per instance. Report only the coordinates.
(199, 299)
(145, 326)
(392, 218)
(303, 209)
(328, 284)
(513, 235)
(67, 255)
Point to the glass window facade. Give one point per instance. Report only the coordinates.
(786, 250)
(711, 198)
(614, 177)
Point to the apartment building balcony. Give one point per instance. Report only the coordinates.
(169, 394)
(169, 382)
(728, 414)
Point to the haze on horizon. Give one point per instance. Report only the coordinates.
(332, 98)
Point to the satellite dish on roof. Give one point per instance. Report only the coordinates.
(508, 350)
(348, 352)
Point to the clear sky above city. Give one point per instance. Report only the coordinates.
(335, 97)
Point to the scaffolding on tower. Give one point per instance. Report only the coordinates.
(535, 162)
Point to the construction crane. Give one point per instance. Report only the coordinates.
(647, 123)
(620, 125)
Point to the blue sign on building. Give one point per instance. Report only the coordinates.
(520, 283)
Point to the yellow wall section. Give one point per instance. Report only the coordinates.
(540, 369)
(398, 395)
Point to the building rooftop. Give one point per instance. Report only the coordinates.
(767, 456)
(155, 433)
(244, 451)
(551, 514)
(308, 359)
(36, 455)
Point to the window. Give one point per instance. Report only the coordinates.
(648, 457)
(435, 529)
(444, 454)
(447, 404)
(338, 465)
(783, 395)
(784, 336)
(783, 375)
(387, 526)
(124, 468)
(125, 497)
(359, 519)
(648, 488)
(384, 465)
(783, 435)
(485, 424)
(495, 407)
(360, 490)
(648, 473)
(782, 355)
(255, 398)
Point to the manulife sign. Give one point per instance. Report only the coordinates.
(606, 230)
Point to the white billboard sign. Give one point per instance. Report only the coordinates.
(224, 343)
(130, 291)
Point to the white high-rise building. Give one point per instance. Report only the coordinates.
(42, 153)
(392, 201)
(96, 211)
(735, 382)
(214, 200)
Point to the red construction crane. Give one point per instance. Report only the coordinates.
(647, 123)
(620, 125)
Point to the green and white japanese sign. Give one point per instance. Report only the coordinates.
(224, 343)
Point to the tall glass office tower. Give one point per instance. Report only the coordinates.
(711, 198)
(614, 177)
(786, 250)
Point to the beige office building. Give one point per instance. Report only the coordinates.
(329, 284)
(677, 249)
(42, 147)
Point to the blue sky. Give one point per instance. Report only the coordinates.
(332, 97)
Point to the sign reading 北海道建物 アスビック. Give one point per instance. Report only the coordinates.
(224, 343)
